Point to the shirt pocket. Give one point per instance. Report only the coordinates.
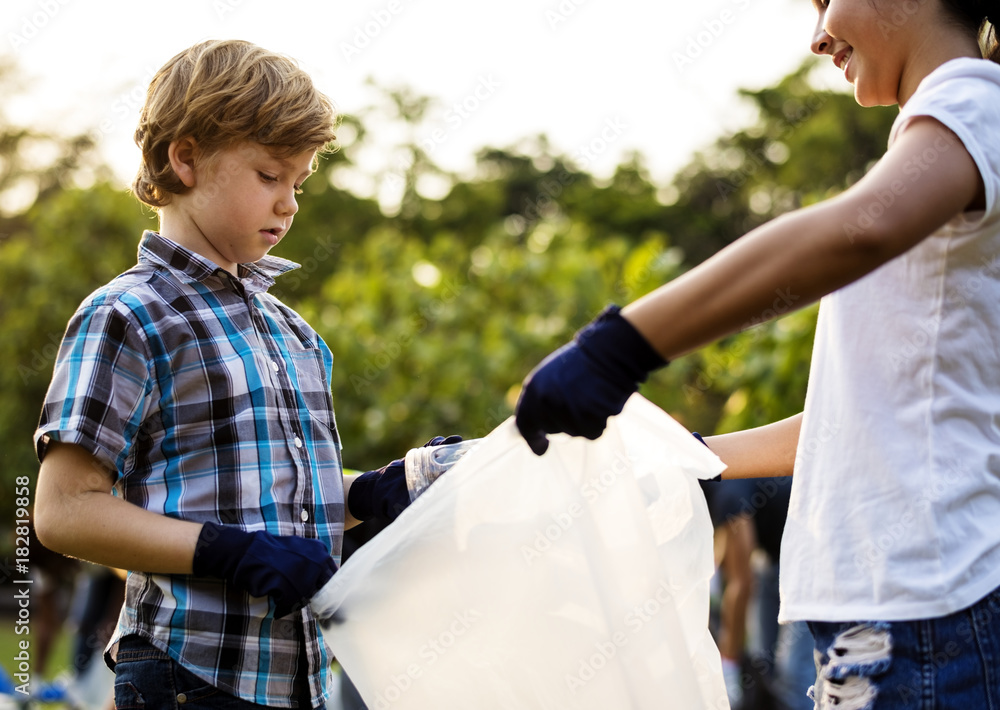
(313, 388)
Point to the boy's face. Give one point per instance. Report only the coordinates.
(241, 204)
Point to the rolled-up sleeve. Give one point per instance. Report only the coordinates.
(100, 386)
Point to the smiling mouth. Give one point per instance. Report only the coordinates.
(842, 58)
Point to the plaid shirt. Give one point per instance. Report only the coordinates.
(211, 399)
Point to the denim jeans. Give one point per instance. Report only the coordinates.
(146, 678)
(946, 663)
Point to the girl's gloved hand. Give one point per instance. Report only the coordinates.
(382, 493)
(286, 568)
(576, 388)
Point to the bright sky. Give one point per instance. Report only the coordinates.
(599, 77)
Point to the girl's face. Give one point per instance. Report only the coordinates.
(869, 40)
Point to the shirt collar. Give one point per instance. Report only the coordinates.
(255, 276)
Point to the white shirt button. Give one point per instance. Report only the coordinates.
(298, 443)
(304, 515)
(274, 365)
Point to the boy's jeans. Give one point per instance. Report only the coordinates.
(148, 679)
(947, 663)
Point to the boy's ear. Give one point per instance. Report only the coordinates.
(182, 154)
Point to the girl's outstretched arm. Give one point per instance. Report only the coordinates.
(924, 180)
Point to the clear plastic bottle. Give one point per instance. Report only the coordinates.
(425, 464)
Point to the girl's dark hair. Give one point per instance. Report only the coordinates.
(980, 18)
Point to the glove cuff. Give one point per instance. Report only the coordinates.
(381, 493)
(361, 497)
(218, 550)
(615, 343)
(717, 477)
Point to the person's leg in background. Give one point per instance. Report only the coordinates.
(735, 541)
(783, 653)
(739, 541)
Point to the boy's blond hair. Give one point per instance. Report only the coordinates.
(221, 93)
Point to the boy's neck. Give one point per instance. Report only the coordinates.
(176, 226)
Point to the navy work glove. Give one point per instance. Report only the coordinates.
(382, 493)
(580, 385)
(287, 568)
(717, 477)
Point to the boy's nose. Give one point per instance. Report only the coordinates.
(287, 206)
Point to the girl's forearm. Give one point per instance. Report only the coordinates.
(757, 453)
(798, 258)
(781, 266)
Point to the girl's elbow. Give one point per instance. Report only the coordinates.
(879, 240)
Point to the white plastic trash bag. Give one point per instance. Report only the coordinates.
(575, 580)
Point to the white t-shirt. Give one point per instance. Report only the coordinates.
(895, 507)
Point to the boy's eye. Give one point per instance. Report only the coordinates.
(298, 189)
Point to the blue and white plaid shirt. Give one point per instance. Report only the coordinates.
(211, 399)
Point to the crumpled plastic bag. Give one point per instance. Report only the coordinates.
(578, 580)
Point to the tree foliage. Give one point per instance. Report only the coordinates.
(436, 307)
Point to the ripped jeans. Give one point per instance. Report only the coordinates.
(947, 663)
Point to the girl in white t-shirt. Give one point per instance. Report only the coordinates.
(891, 550)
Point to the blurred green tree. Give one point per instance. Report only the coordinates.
(437, 302)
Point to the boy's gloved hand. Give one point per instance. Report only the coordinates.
(576, 388)
(382, 493)
(287, 568)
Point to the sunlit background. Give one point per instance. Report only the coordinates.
(447, 247)
(664, 73)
